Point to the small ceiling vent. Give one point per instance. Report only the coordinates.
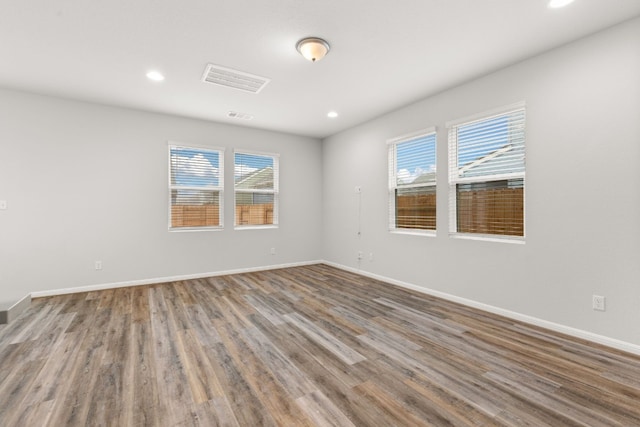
(234, 79)
(236, 115)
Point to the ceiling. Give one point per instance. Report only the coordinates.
(385, 54)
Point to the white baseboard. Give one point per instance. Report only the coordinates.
(578, 333)
(104, 286)
(8, 315)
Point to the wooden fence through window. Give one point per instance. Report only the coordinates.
(417, 211)
(493, 211)
(486, 211)
(208, 215)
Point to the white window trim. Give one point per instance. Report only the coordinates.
(452, 143)
(488, 114)
(219, 188)
(275, 191)
(255, 227)
(412, 135)
(518, 240)
(414, 232)
(393, 179)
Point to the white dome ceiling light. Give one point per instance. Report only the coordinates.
(313, 48)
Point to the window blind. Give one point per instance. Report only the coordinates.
(195, 187)
(486, 174)
(256, 189)
(412, 182)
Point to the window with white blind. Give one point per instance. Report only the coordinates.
(256, 189)
(487, 174)
(195, 188)
(412, 182)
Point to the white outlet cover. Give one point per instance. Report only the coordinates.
(599, 303)
(3, 204)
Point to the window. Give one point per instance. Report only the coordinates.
(256, 189)
(412, 182)
(486, 174)
(195, 187)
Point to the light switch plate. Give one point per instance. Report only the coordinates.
(3, 204)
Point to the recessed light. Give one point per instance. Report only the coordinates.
(556, 4)
(332, 114)
(156, 76)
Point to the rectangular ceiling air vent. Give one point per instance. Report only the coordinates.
(234, 79)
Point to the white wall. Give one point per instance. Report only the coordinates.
(86, 182)
(582, 191)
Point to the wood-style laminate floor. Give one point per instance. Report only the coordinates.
(307, 346)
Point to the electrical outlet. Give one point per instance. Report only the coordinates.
(273, 251)
(357, 189)
(360, 255)
(3, 204)
(599, 303)
(98, 265)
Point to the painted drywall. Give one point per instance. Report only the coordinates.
(582, 191)
(85, 182)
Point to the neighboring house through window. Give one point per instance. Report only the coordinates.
(195, 188)
(487, 173)
(412, 182)
(256, 189)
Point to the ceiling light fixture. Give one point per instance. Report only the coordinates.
(556, 4)
(332, 114)
(313, 48)
(156, 76)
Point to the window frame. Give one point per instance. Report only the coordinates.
(275, 191)
(219, 188)
(454, 179)
(393, 186)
